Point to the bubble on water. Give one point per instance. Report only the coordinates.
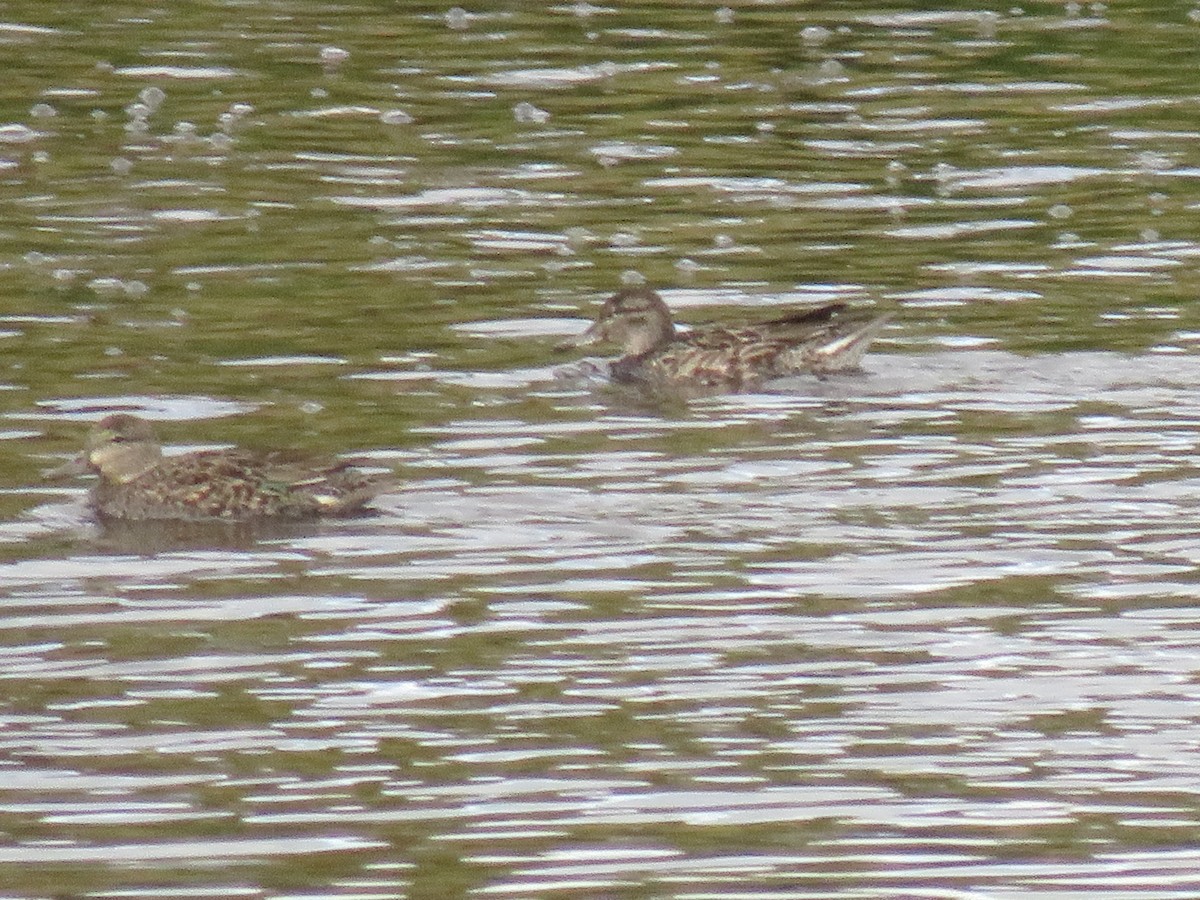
(192, 286)
(99, 115)
(121, 165)
(241, 109)
(1150, 235)
(36, 258)
(396, 117)
(1153, 161)
(311, 407)
(577, 235)
(220, 141)
(43, 111)
(624, 239)
(764, 127)
(16, 134)
(113, 351)
(632, 278)
(137, 126)
(687, 266)
(185, 129)
(1060, 211)
(944, 175)
(136, 288)
(106, 285)
(831, 68)
(152, 97)
(724, 15)
(528, 114)
(64, 276)
(1072, 9)
(723, 241)
(458, 18)
(40, 156)
(1194, 15)
(138, 110)
(332, 56)
(318, 93)
(584, 10)
(814, 35)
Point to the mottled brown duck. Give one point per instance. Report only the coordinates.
(138, 483)
(821, 340)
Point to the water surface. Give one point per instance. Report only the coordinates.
(924, 631)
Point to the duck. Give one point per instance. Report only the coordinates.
(137, 483)
(819, 341)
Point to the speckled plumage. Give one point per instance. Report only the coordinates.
(137, 483)
(820, 340)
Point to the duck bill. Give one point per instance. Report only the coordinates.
(76, 465)
(594, 335)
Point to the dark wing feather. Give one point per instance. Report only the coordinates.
(794, 328)
(806, 318)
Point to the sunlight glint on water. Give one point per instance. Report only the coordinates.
(925, 631)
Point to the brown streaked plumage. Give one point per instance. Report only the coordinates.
(137, 483)
(821, 340)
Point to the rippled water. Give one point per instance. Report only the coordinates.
(924, 631)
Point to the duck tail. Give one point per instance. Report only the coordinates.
(844, 347)
(347, 496)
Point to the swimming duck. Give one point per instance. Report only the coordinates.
(636, 319)
(137, 483)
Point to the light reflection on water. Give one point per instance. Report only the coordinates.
(606, 619)
(925, 631)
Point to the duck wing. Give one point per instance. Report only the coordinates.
(818, 341)
(240, 484)
(792, 328)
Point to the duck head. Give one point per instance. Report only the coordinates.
(635, 319)
(119, 447)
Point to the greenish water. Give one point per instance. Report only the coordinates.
(920, 632)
